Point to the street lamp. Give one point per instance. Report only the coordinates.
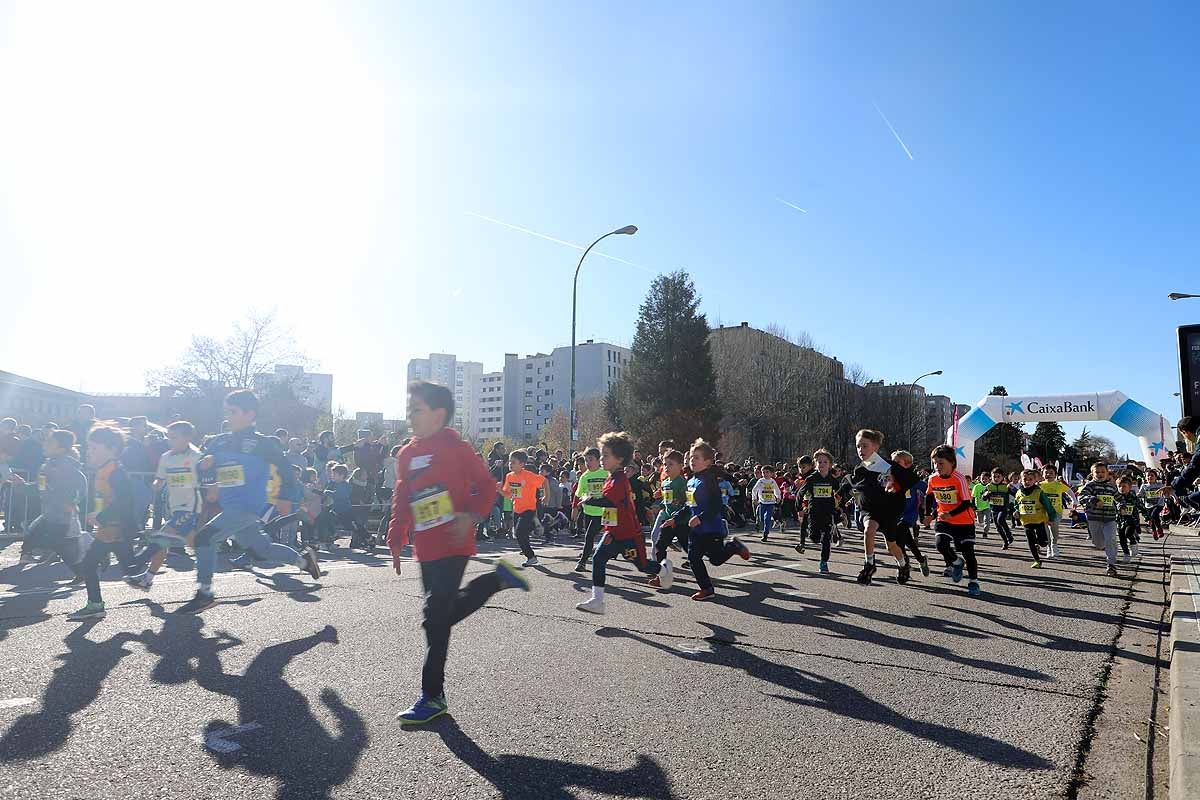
(1180, 296)
(628, 230)
(912, 390)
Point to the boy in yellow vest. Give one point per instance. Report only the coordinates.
(1034, 510)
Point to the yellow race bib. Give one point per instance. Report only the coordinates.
(946, 497)
(231, 475)
(180, 480)
(668, 496)
(41, 482)
(432, 511)
(1126, 511)
(1028, 508)
(822, 491)
(691, 497)
(768, 496)
(595, 488)
(1106, 500)
(609, 518)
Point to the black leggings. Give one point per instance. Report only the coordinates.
(906, 537)
(715, 548)
(97, 555)
(591, 526)
(1000, 515)
(1038, 536)
(822, 531)
(526, 522)
(1128, 532)
(666, 536)
(956, 540)
(445, 606)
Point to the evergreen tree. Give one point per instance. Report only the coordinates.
(1048, 442)
(670, 386)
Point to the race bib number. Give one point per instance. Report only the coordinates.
(668, 496)
(41, 483)
(595, 488)
(516, 489)
(180, 480)
(768, 496)
(98, 504)
(432, 510)
(1126, 511)
(947, 497)
(822, 491)
(609, 518)
(997, 501)
(1028, 508)
(1153, 494)
(1105, 500)
(691, 497)
(231, 475)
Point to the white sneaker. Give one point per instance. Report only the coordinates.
(593, 606)
(27, 558)
(143, 581)
(530, 562)
(666, 575)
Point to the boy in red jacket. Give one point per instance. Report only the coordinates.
(622, 528)
(443, 490)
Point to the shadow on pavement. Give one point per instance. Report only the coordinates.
(838, 698)
(291, 744)
(75, 685)
(522, 777)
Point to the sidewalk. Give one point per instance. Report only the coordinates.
(1185, 672)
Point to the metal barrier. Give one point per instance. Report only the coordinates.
(20, 503)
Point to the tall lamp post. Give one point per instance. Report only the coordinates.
(628, 230)
(912, 389)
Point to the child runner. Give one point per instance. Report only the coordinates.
(622, 528)
(1129, 511)
(982, 509)
(62, 485)
(881, 509)
(820, 496)
(442, 491)
(1152, 496)
(1099, 499)
(242, 460)
(178, 471)
(522, 487)
(951, 498)
(674, 497)
(590, 486)
(113, 515)
(999, 492)
(1035, 509)
(705, 519)
(909, 527)
(766, 494)
(1061, 497)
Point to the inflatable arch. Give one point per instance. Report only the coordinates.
(1150, 428)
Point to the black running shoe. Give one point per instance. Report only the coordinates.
(864, 577)
(903, 573)
(310, 564)
(201, 601)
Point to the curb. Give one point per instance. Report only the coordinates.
(1184, 717)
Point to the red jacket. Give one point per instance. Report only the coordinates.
(617, 495)
(437, 477)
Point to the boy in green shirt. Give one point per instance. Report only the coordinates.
(590, 486)
(674, 497)
(979, 494)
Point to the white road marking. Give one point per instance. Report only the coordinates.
(216, 740)
(16, 702)
(751, 572)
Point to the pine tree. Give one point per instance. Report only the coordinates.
(1049, 441)
(670, 387)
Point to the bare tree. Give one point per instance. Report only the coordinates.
(211, 367)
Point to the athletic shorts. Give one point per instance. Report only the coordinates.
(959, 534)
(182, 522)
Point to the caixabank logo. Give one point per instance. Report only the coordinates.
(1057, 406)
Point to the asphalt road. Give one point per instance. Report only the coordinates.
(790, 684)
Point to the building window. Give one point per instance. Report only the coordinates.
(528, 408)
(529, 380)
(529, 365)
(528, 422)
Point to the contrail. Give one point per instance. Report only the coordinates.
(907, 152)
(792, 205)
(557, 241)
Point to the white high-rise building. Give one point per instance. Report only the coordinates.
(460, 377)
(538, 385)
(489, 405)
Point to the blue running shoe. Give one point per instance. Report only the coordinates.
(510, 577)
(242, 561)
(823, 567)
(956, 570)
(973, 589)
(425, 709)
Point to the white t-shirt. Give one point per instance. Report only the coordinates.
(180, 473)
(765, 492)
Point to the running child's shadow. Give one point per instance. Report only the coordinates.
(75, 685)
(824, 693)
(519, 777)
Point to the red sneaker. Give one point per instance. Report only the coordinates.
(704, 594)
(741, 549)
(655, 582)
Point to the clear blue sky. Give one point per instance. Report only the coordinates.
(329, 159)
